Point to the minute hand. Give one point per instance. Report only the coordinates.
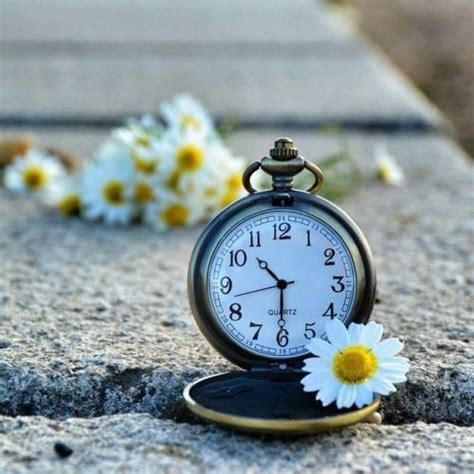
(263, 289)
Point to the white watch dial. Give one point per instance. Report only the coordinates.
(280, 259)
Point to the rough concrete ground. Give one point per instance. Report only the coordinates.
(95, 322)
(96, 336)
(140, 443)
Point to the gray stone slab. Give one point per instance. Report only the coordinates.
(258, 86)
(183, 21)
(139, 443)
(95, 320)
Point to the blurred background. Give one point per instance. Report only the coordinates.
(101, 60)
(432, 41)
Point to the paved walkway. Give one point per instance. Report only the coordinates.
(96, 337)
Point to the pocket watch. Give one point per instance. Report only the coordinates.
(265, 276)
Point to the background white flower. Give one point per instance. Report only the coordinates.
(194, 159)
(169, 212)
(107, 191)
(387, 169)
(66, 196)
(35, 172)
(184, 113)
(167, 177)
(354, 365)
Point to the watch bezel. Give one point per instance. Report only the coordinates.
(252, 204)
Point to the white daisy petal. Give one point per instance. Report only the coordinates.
(321, 348)
(312, 382)
(395, 361)
(337, 334)
(381, 386)
(371, 334)
(346, 396)
(354, 330)
(393, 376)
(313, 364)
(364, 396)
(388, 347)
(329, 392)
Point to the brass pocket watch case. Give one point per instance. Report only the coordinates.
(267, 397)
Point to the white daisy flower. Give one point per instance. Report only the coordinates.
(145, 190)
(194, 160)
(151, 156)
(226, 186)
(35, 172)
(185, 113)
(354, 365)
(387, 169)
(107, 190)
(170, 212)
(66, 196)
(112, 150)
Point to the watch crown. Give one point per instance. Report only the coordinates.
(284, 149)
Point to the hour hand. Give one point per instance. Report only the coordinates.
(264, 266)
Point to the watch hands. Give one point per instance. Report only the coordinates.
(266, 288)
(264, 266)
(281, 320)
(281, 285)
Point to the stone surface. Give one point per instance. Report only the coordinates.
(139, 443)
(303, 86)
(95, 320)
(166, 21)
(284, 61)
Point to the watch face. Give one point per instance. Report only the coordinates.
(276, 278)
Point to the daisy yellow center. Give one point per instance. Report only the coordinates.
(175, 215)
(173, 181)
(69, 205)
(143, 140)
(35, 178)
(384, 173)
(113, 193)
(190, 158)
(143, 193)
(228, 198)
(235, 182)
(354, 364)
(144, 166)
(188, 121)
(210, 192)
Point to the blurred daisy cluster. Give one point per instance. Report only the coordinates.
(167, 176)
